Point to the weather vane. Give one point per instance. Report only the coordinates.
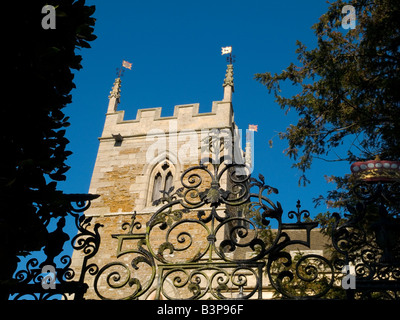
(120, 70)
(228, 50)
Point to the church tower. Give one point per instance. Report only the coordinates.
(139, 161)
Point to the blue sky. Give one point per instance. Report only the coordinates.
(175, 49)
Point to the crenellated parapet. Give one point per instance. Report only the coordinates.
(185, 117)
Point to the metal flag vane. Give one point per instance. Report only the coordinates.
(250, 130)
(120, 70)
(228, 50)
(253, 127)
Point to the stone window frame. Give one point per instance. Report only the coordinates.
(164, 169)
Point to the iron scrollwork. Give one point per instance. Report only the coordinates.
(32, 283)
(369, 240)
(206, 242)
(134, 272)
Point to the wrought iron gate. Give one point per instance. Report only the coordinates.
(211, 245)
(205, 242)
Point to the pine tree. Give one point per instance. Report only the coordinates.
(348, 87)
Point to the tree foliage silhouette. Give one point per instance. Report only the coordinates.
(34, 145)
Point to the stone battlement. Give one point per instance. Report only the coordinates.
(185, 117)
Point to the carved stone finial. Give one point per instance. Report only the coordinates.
(114, 97)
(116, 90)
(228, 81)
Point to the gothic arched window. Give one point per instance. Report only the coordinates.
(168, 181)
(162, 179)
(157, 187)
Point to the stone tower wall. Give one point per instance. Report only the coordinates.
(123, 170)
(123, 176)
